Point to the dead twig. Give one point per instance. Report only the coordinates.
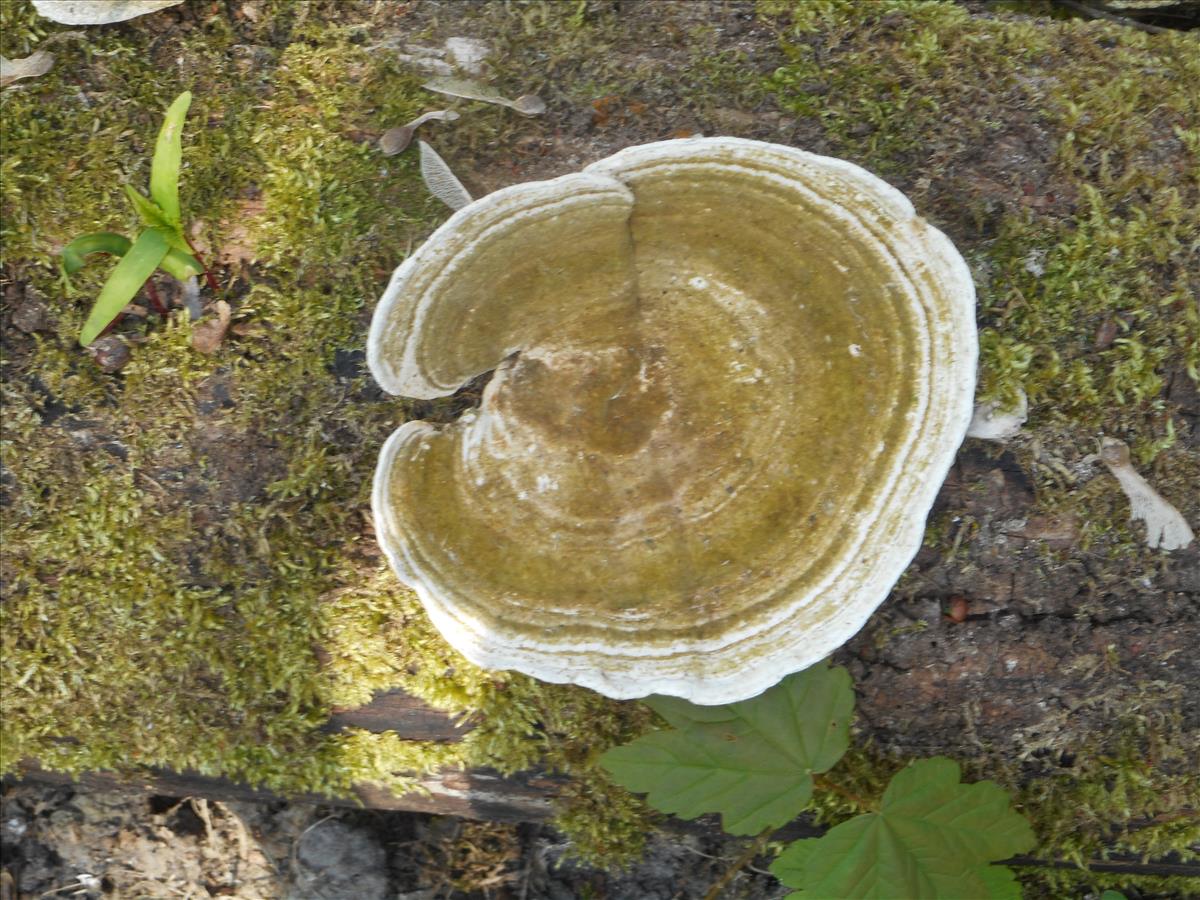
(755, 848)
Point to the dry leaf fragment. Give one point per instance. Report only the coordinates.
(1165, 527)
(239, 243)
(30, 66)
(248, 329)
(526, 104)
(442, 182)
(207, 336)
(394, 140)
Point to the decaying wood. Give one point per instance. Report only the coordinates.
(481, 794)
(402, 713)
(477, 794)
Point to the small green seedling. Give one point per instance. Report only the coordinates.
(754, 761)
(162, 245)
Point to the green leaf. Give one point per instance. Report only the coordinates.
(750, 761)
(180, 265)
(1112, 895)
(931, 839)
(153, 217)
(148, 211)
(789, 865)
(177, 264)
(100, 242)
(168, 153)
(126, 279)
(1001, 883)
(808, 712)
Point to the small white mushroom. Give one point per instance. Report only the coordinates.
(991, 423)
(395, 140)
(1165, 527)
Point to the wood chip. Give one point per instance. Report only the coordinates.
(31, 66)
(208, 336)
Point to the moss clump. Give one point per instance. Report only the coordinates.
(1017, 136)
(1131, 793)
(1095, 235)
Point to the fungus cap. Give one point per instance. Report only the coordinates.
(729, 379)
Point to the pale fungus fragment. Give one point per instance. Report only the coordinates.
(729, 379)
(468, 54)
(1166, 529)
(98, 12)
(994, 422)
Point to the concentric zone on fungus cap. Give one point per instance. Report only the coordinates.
(730, 377)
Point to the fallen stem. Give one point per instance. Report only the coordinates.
(845, 793)
(754, 849)
(155, 300)
(208, 276)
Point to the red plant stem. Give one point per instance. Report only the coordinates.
(208, 276)
(155, 300)
(111, 325)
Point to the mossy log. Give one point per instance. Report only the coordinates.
(479, 793)
(188, 581)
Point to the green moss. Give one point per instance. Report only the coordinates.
(1131, 793)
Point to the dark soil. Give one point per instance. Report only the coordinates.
(64, 841)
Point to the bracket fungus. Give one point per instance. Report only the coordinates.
(729, 379)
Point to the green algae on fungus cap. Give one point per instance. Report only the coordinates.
(730, 377)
